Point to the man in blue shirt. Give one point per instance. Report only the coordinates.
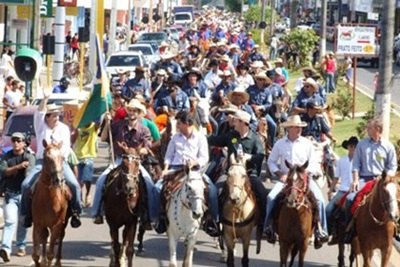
(222, 90)
(139, 85)
(309, 92)
(255, 55)
(194, 84)
(170, 66)
(176, 100)
(62, 87)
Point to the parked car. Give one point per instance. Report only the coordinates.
(60, 99)
(126, 61)
(21, 120)
(317, 28)
(154, 36)
(147, 50)
(173, 34)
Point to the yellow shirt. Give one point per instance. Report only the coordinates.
(86, 144)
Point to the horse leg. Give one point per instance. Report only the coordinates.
(341, 254)
(116, 247)
(293, 255)
(59, 247)
(140, 238)
(223, 257)
(129, 237)
(36, 245)
(172, 241)
(385, 255)
(246, 244)
(54, 236)
(43, 237)
(188, 260)
(230, 246)
(367, 256)
(284, 253)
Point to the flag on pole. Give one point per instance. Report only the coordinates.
(100, 96)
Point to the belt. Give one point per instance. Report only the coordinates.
(368, 178)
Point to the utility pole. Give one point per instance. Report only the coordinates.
(322, 42)
(271, 27)
(383, 96)
(113, 28)
(293, 13)
(262, 41)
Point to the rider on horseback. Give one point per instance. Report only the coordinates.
(188, 145)
(243, 138)
(308, 93)
(49, 128)
(294, 149)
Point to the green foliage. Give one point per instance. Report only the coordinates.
(257, 36)
(254, 13)
(343, 101)
(233, 5)
(305, 41)
(362, 126)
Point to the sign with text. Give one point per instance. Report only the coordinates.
(67, 2)
(356, 40)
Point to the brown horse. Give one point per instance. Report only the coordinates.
(49, 206)
(295, 220)
(239, 212)
(122, 199)
(375, 220)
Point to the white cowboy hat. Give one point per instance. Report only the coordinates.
(135, 103)
(233, 46)
(225, 73)
(294, 121)
(167, 55)
(279, 61)
(239, 91)
(257, 64)
(262, 75)
(225, 58)
(312, 82)
(53, 108)
(243, 116)
(229, 108)
(161, 72)
(164, 44)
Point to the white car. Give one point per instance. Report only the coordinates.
(124, 61)
(61, 98)
(148, 52)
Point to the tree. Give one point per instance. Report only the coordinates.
(254, 13)
(304, 41)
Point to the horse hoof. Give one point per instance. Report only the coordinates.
(223, 259)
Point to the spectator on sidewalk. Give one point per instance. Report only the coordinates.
(12, 98)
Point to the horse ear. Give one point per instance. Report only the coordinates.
(59, 145)
(44, 142)
(304, 166)
(233, 159)
(288, 164)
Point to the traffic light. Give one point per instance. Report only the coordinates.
(27, 62)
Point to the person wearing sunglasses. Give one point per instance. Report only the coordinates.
(14, 166)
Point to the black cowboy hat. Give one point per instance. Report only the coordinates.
(243, 66)
(213, 63)
(194, 71)
(351, 141)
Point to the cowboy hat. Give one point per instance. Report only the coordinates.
(310, 69)
(243, 116)
(122, 71)
(314, 104)
(294, 121)
(279, 61)
(242, 66)
(229, 108)
(18, 135)
(212, 45)
(257, 64)
(161, 72)
(225, 73)
(53, 108)
(233, 46)
(351, 141)
(239, 91)
(167, 55)
(262, 75)
(256, 46)
(135, 103)
(139, 68)
(194, 71)
(164, 44)
(312, 82)
(225, 58)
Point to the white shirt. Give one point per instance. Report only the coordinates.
(181, 148)
(212, 79)
(296, 153)
(60, 133)
(344, 168)
(13, 99)
(245, 81)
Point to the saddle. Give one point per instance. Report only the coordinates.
(361, 195)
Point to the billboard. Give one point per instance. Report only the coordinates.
(356, 40)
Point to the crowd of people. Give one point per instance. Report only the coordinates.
(248, 102)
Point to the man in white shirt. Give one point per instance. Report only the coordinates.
(296, 150)
(48, 127)
(190, 147)
(343, 174)
(12, 98)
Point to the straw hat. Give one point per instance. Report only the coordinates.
(243, 116)
(122, 71)
(310, 69)
(262, 75)
(229, 108)
(164, 44)
(53, 108)
(311, 82)
(161, 72)
(167, 55)
(225, 58)
(294, 121)
(233, 46)
(279, 61)
(135, 103)
(225, 73)
(241, 92)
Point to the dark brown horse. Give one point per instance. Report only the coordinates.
(122, 198)
(375, 220)
(49, 207)
(295, 220)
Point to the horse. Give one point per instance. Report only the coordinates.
(239, 211)
(375, 220)
(122, 206)
(295, 219)
(50, 206)
(185, 211)
(201, 113)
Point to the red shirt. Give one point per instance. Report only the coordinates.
(120, 114)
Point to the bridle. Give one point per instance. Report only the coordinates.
(383, 203)
(301, 190)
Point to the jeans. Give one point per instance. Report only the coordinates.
(212, 196)
(70, 179)
(272, 53)
(314, 189)
(150, 187)
(271, 128)
(12, 219)
(330, 82)
(331, 207)
(350, 197)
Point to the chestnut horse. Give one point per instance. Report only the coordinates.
(375, 220)
(295, 220)
(122, 202)
(239, 212)
(49, 206)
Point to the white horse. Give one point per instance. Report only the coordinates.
(185, 212)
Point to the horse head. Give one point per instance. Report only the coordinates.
(53, 162)
(130, 176)
(389, 195)
(237, 180)
(193, 192)
(297, 183)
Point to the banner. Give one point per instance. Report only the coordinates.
(362, 5)
(356, 40)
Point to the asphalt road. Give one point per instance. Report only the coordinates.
(89, 246)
